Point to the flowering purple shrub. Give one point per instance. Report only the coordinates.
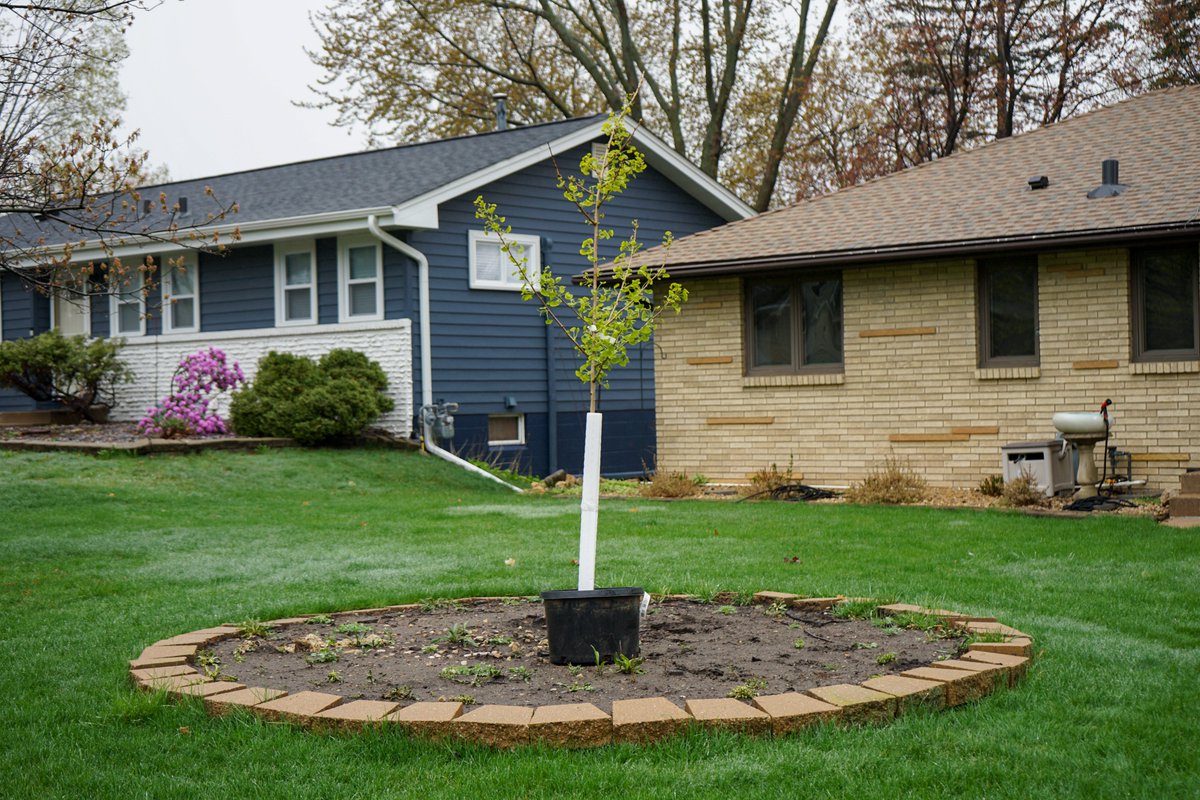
(195, 384)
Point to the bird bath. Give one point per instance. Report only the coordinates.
(1083, 429)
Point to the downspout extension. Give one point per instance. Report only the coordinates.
(426, 348)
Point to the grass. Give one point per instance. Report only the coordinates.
(102, 557)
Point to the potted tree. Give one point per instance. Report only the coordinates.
(620, 309)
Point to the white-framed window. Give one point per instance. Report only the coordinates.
(181, 295)
(296, 283)
(506, 429)
(127, 305)
(490, 266)
(360, 279)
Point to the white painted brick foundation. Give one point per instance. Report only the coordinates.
(153, 360)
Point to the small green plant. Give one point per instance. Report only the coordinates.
(891, 483)
(333, 677)
(627, 665)
(520, 673)
(325, 656)
(885, 658)
(984, 637)
(458, 633)
(748, 690)
(499, 640)
(353, 628)
(404, 692)
(1022, 492)
(912, 620)
(574, 670)
(465, 699)
(775, 609)
(992, 486)
(855, 609)
(319, 619)
(473, 675)
(429, 649)
(865, 646)
(580, 686)
(728, 611)
(253, 627)
(798, 644)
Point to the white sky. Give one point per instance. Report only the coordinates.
(211, 83)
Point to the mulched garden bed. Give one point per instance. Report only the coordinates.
(496, 652)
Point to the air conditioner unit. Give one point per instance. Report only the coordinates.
(1048, 463)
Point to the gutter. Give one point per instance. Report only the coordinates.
(427, 349)
(871, 256)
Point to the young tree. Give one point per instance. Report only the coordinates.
(66, 177)
(619, 310)
(725, 79)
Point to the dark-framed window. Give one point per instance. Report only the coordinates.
(793, 323)
(1165, 302)
(1008, 311)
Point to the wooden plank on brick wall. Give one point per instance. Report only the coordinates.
(704, 305)
(710, 360)
(1103, 363)
(897, 332)
(739, 421)
(1161, 457)
(978, 430)
(928, 437)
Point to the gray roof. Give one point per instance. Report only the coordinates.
(371, 179)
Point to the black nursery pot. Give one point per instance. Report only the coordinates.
(608, 620)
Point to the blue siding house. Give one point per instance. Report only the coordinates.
(331, 254)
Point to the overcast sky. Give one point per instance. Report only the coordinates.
(211, 83)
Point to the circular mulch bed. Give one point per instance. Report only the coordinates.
(495, 652)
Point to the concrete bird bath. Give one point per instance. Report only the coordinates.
(1083, 429)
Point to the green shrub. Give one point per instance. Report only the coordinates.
(311, 401)
(82, 375)
(992, 486)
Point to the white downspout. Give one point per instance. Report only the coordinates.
(426, 348)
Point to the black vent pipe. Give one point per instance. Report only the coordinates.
(1110, 185)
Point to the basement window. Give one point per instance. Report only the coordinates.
(1166, 308)
(506, 429)
(1008, 311)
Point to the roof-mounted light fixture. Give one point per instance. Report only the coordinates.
(1110, 185)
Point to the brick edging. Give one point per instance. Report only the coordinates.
(165, 666)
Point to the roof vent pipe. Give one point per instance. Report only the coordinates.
(501, 110)
(1110, 185)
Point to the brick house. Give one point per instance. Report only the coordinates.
(941, 312)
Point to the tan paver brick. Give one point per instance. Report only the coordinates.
(168, 651)
(173, 682)
(1013, 647)
(961, 686)
(1016, 665)
(207, 689)
(900, 608)
(246, 698)
(355, 714)
(793, 711)
(817, 602)
(197, 638)
(859, 705)
(570, 725)
(146, 663)
(910, 693)
(998, 674)
(730, 714)
(647, 719)
(160, 672)
(298, 707)
(495, 725)
(992, 627)
(287, 621)
(766, 598)
(431, 720)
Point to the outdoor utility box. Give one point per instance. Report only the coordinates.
(1048, 463)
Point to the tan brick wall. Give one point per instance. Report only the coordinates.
(911, 373)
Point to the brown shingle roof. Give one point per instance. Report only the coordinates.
(980, 200)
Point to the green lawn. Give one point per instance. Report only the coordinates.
(100, 557)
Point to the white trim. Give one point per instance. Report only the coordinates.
(512, 283)
(190, 264)
(520, 440)
(264, 333)
(282, 251)
(125, 295)
(345, 244)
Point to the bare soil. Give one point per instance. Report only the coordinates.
(496, 652)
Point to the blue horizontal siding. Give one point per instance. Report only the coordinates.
(237, 289)
(327, 281)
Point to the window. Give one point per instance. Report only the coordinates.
(360, 275)
(180, 295)
(295, 284)
(490, 266)
(127, 311)
(1008, 311)
(794, 324)
(1165, 310)
(506, 429)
